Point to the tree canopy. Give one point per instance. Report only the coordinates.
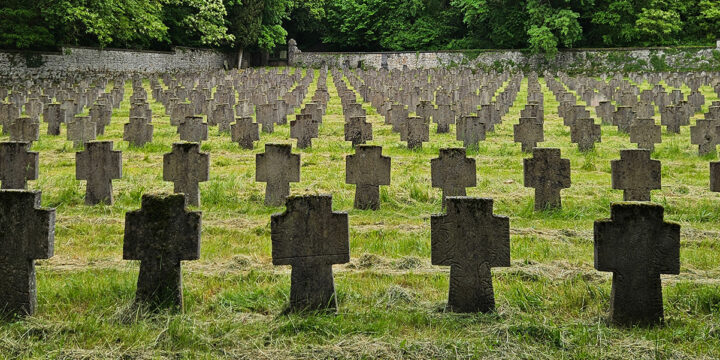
(543, 26)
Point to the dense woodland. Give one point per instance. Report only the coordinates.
(542, 26)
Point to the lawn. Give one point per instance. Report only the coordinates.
(551, 303)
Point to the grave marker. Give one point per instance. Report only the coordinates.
(637, 245)
(17, 165)
(186, 166)
(636, 174)
(311, 238)
(529, 132)
(245, 132)
(367, 169)
(471, 240)
(548, 174)
(453, 172)
(161, 235)
(277, 167)
(99, 165)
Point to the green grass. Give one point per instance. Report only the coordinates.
(551, 302)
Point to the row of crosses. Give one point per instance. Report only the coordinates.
(636, 244)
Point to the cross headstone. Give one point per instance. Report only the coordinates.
(99, 165)
(223, 116)
(453, 172)
(471, 240)
(304, 129)
(623, 118)
(245, 132)
(277, 167)
(193, 129)
(367, 169)
(673, 118)
(585, 133)
(705, 135)
(24, 129)
(637, 245)
(645, 133)
(529, 132)
(715, 176)
(444, 116)
(265, 115)
(80, 130)
(161, 235)
(186, 167)
(311, 238)
(548, 173)
(53, 115)
(358, 131)
(28, 233)
(636, 174)
(17, 165)
(138, 131)
(471, 130)
(415, 132)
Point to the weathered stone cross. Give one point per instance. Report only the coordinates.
(310, 237)
(367, 169)
(265, 115)
(415, 132)
(161, 235)
(138, 131)
(28, 233)
(471, 240)
(645, 133)
(245, 132)
(80, 130)
(304, 129)
(99, 165)
(529, 132)
(548, 174)
(186, 167)
(17, 165)
(444, 116)
(585, 133)
(453, 172)
(24, 129)
(193, 129)
(278, 167)
(705, 135)
(53, 115)
(636, 174)
(358, 130)
(637, 245)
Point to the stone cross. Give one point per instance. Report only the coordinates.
(636, 174)
(415, 132)
(444, 116)
(99, 165)
(245, 132)
(277, 167)
(186, 167)
(193, 129)
(24, 129)
(645, 133)
(17, 165)
(161, 235)
(529, 132)
(367, 169)
(265, 115)
(471, 240)
(310, 237)
(673, 118)
(637, 245)
(28, 233)
(623, 118)
(223, 116)
(585, 133)
(548, 174)
(53, 115)
(80, 130)
(471, 130)
(705, 135)
(715, 176)
(358, 130)
(304, 129)
(453, 172)
(138, 131)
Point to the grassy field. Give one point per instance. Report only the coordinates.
(551, 302)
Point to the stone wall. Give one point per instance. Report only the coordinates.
(70, 59)
(583, 60)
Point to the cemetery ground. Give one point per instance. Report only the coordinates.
(551, 303)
